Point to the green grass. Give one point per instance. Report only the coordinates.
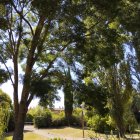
(29, 136)
(78, 133)
(72, 132)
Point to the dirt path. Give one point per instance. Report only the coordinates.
(48, 134)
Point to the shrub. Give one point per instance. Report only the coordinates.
(99, 123)
(42, 121)
(75, 121)
(11, 124)
(42, 118)
(29, 117)
(58, 120)
(77, 111)
(5, 107)
(130, 122)
(4, 118)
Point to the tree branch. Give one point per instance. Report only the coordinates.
(20, 14)
(30, 99)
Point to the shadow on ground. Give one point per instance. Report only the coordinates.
(11, 133)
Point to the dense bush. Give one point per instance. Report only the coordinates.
(11, 124)
(4, 117)
(58, 119)
(58, 122)
(42, 118)
(5, 107)
(130, 122)
(29, 117)
(42, 121)
(75, 121)
(99, 123)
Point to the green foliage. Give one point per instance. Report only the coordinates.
(93, 95)
(58, 119)
(136, 102)
(119, 83)
(42, 121)
(46, 8)
(77, 111)
(42, 118)
(99, 123)
(11, 123)
(75, 121)
(29, 117)
(3, 76)
(91, 33)
(5, 100)
(3, 23)
(130, 121)
(4, 118)
(5, 107)
(46, 90)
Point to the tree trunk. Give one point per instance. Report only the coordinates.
(121, 128)
(20, 113)
(117, 104)
(19, 125)
(15, 86)
(68, 102)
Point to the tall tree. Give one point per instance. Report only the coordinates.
(121, 93)
(68, 95)
(37, 34)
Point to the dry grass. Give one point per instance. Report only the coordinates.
(72, 132)
(29, 136)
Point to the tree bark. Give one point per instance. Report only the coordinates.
(19, 127)
(68, 102)
(16, 103)
(23, 106)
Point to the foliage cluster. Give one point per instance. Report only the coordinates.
(5, 108)
(11, 123)
(58, 119)
(47, 37)
(42, 118)
(99, 123)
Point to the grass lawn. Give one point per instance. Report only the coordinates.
(78, 133)
(72, 132)
(29, 136)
